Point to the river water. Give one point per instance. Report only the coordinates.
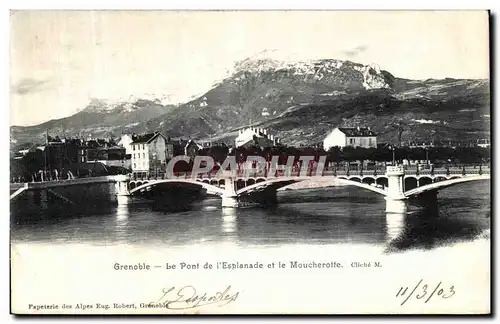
(325, 216)
(68, 257)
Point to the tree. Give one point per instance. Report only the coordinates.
(218, 153)
(382, 154)
(334, 155)
(348, 154)
(203, 152)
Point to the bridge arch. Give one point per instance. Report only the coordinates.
(240, 183)
(410, 183)
(205, 185)
(382, 181)
(278, 183)
(368, 180)
(422, 181)
(443, 184)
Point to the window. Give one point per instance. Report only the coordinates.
(133, 147)
(143, 146)
(135, 166)
(144, 155)
(351, 141)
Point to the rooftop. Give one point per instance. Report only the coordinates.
(357, 131)
(144, 138)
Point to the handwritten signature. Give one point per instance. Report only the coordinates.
(187, 297)
(423, 290)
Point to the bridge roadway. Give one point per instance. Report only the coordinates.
(353, 174)
(18, 188)
(394, 182)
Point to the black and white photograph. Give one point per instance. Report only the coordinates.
(249, 162)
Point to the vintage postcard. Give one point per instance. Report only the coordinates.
(250, 162)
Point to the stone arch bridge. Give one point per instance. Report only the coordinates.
(396, 184)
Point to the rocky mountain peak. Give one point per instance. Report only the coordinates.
(300, 99)
(96, 105)
(373, 78)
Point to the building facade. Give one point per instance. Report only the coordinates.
(354, 137)
(191, 149)
(484, 143)
(255, 136)
(150, 153)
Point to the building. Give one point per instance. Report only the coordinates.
(150, 153)
(188, 147)
(114, 156)
(91, 150)
(255, 137)
(126, 142)
(191, 148)
(421, 144)
(355, 137)
(61, 155)
(484, 143)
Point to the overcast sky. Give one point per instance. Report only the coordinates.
(59, 60)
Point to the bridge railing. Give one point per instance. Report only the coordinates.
(62, 179)
(327, 171)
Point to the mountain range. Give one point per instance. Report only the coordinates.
(300, 102)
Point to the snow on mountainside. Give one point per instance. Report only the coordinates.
(98, 118)
(373, 78)
(259, 89)
(301, 100)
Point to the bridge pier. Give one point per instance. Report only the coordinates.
(395, 200)
(121, 186)
(230, 201)
(229, 198)
(395, 181)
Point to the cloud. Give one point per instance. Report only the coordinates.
(29, 85)
(355, 51)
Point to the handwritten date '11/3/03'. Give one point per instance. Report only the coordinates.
(423, 291)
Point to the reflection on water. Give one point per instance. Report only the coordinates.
(324, 216)
(121, 220)
(429, 228)
(395, 224)
(123, 200)
(228, 220)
